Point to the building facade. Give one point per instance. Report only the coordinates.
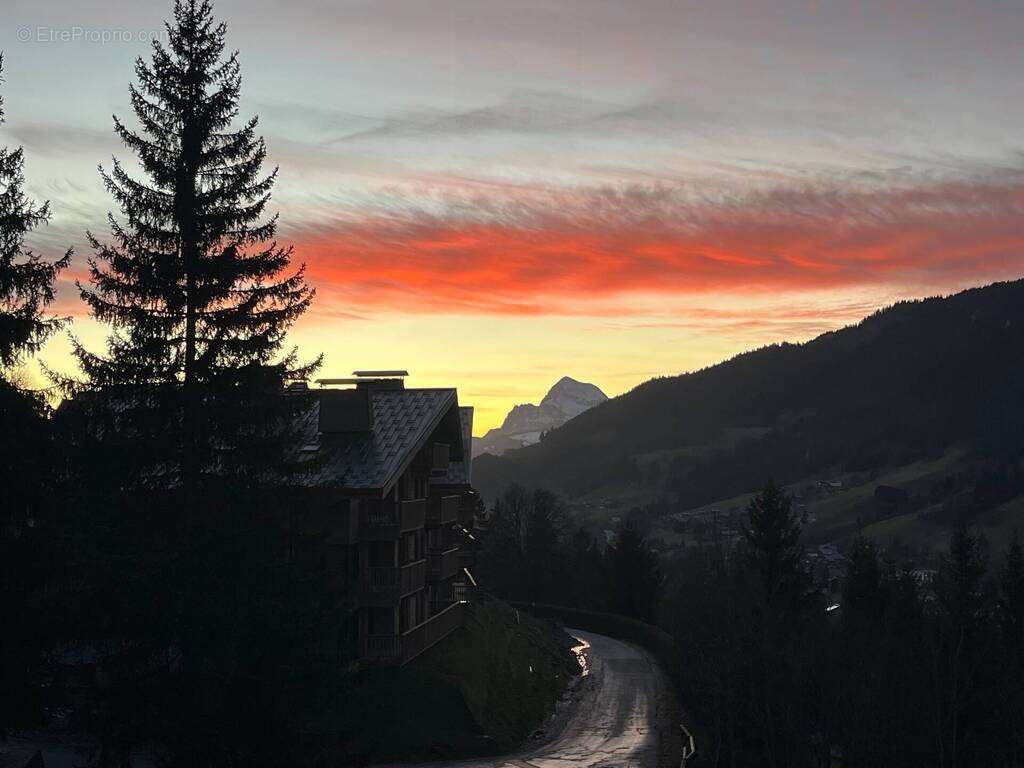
(392, 469)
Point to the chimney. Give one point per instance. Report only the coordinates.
(351, 410)
(380, 379)
(345, 411)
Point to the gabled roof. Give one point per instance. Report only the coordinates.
(403, 420)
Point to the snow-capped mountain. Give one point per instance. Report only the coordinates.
(524, 423)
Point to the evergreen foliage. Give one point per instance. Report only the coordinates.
(26, 278)
(192, 281)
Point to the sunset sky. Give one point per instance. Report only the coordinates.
(494, 194)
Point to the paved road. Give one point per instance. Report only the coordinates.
(613, 723)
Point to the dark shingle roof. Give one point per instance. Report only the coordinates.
(403, 419)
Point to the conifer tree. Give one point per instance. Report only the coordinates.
(774, 553)
(634, 579)
(863, 589)
(198, 292)
(188, 398)
(26, 279)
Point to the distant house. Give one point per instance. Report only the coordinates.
(890, 499)
(830, 486)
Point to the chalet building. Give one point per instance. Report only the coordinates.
(391, 469)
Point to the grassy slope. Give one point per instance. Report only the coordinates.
(838, 514)
(511, 669)
(998, 524)
(473, 693)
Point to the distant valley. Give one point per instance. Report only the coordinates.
(924, 399)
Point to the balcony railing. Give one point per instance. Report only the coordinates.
(404, 648)
(443, 510)
(388, 584)
(384, 647)
(442, 565)
(446, 593)
(464, 593)
(386, 520)
(421, 637)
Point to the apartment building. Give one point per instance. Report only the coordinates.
(392, 467)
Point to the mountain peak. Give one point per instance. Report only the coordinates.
(525, 423)
(572, 397)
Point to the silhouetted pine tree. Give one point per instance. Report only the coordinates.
(774, 553)
(197, 290)
(961, 645)
(634, 579)
(779, 588)
(184, 436)
(26, 280)
(863, 591)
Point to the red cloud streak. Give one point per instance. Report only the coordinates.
(570, 253)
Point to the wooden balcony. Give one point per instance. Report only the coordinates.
(386, 521)
(443, 565)
(401, 649)
(386, 585)
(442, 510)
(418, 639)
(463, 593)
(445, 593)
(434, 457)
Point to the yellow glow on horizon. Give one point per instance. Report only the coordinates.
(499, 361)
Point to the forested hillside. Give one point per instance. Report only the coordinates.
(903, 384)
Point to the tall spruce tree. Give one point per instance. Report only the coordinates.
(26, 279)
(188, 400)
(199, 293)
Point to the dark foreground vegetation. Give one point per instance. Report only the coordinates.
(892, 672)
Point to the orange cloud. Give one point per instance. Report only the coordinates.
(542, 252)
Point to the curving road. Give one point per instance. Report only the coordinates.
(615, 721)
